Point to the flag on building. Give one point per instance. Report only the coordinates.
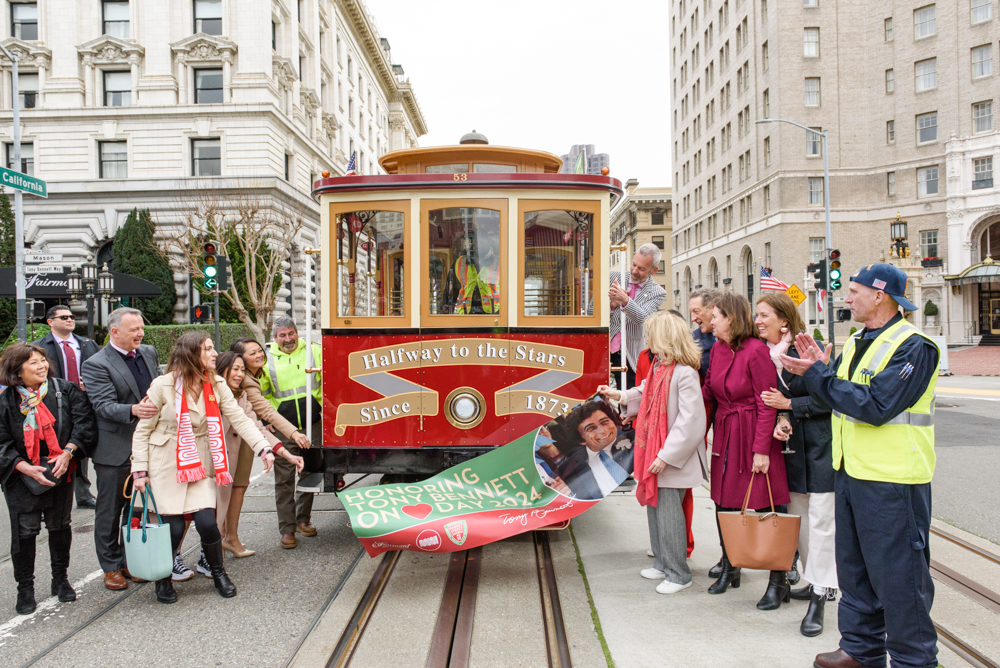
(822, 298)
(580, 159)
(352, 165)
(768, 282)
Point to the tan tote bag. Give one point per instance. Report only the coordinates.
(761, 541)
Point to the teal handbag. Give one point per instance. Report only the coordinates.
(148, 553)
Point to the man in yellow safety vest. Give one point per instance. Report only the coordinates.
(470, 279)
(881, 390)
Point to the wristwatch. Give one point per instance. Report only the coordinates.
(265, 452)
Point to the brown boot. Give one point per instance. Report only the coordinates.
(288, 541)
(306, 529)
(838, 659)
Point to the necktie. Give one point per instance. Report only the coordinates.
(617, 472)
(72, 370)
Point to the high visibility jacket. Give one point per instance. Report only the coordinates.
(900, 451)
(284, 382)
(486, 279)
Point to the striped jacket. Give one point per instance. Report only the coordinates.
(644, 304)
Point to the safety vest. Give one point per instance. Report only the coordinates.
(285, 379)
(901, 450)
(486, 279)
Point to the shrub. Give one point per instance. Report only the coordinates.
(854, 331)
(818, 335)
(8, 305)
(930, 308)
(163, 337)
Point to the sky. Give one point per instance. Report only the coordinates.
(541, 74)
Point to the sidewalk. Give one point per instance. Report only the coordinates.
(975, 361)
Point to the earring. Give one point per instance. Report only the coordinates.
(784, 330)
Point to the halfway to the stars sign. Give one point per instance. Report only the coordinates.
(545, 477)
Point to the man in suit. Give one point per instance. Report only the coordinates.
(67, 352)
(593, 469)
(639, 299)
(117, 379)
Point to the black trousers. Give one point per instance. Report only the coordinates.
(57, 516)
(883, 562)
(81, 481)
(110, 514)
(616, 360)
(204, 522)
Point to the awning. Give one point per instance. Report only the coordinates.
(48, 286)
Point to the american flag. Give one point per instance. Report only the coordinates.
(769, 282)
(822, 298)
(352, 165)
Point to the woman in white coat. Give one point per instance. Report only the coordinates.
(181, 452)
(670, 425)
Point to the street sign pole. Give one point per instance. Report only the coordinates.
(20, 282)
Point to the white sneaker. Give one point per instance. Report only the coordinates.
(180, 571)
(667, 587)
(649, 553)
(652, 574)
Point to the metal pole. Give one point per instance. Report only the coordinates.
(90, 316)
(20, 282)
(624, 349)
(218, 337)
(829, 240)
(309, 387)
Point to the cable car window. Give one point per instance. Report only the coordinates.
(558, 263)
(370, 262)
(483, 168)
(460, 168)
(464, 261)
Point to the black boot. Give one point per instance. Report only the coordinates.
(24, 574)
(802, 593)
(59, 544)
(715, 571)
(165, 591)
(730, 577)
(778, 591)
(213, 554)
(812, 623)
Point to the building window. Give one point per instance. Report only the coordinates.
(657, 218)
(890, 132)
(925, 72)
(814, 143)
(981, 10)
(810, 3)
(288, 163)
(815, 191)
(888, 29)
(982, 61)
(890, 183)
(927, 127)
(767, 151)
(27, 165)
(27, 89)
(982, 173)
(812, 92)
(810, 44)
(817, 248)
(662, 267)
(928, 243)
(115, 16)
(924, 24)
(24, 20)
(767, 103)
(274, 36)
(658, 242)
(763, 57)
(113, 159)
(207, 86)
(206, 157)
(117, 89)
(208, 16)
(767, 199)
(982, 116)
(927, 181)
(890, 81)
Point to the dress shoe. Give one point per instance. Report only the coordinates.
(715, 571)
(801, 594)
(239, 550)
(131, 577)
(778, 591)
(729, 577)
(666, 587)
(649, 553)
(165, 591)
(306, 529)
(812, 623)
(288, 541)
(115, 581)
(838, 659)
(652, 574)
(90, 503)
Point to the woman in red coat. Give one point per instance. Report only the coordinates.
(739, 370)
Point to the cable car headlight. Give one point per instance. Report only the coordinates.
(465, 407)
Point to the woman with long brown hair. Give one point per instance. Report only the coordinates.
(804, 424)
(739, 371)
(181, 451)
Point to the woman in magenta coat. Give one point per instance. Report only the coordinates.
(739, 370)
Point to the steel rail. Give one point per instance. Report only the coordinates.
(556, 639)
(984, 596)
(444, 629)
(349, 640)
(963, 649)
(986, 554)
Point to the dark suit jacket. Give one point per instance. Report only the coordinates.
(88, 348)
(575, 472)
(112, 391)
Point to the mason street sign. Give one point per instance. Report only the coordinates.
(23, 182)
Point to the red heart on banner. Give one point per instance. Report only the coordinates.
(419, 511)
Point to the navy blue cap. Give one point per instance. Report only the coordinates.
(887, 278)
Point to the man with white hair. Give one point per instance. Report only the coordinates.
(639, 298)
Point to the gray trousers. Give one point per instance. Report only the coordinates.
(110, 515)
(293, 507)
(668, 535)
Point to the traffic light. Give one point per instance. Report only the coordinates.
(223, 273)
(201, 313)
(818, 270)
(209, 267)
(834, 256)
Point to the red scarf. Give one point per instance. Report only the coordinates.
(189, 466)
(39, 425)
(651, 429)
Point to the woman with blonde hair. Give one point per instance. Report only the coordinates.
(670, 426)
(181, 451)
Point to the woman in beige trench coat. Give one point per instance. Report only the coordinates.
(155, 456)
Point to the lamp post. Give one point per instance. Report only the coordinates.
(106, 285)
(20, 284)
(826, 205)
(89, 283)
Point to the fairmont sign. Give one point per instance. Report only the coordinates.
(19, 181)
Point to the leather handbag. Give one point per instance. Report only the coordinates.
(148, 551)
(761, 541)
(36, 487)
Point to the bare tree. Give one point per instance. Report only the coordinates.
(239, 219)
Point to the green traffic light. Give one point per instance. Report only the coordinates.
(835, 275)
(210, 271)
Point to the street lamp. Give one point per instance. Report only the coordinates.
(89, 283)
(826, 205)
(73, 283)
(106, 284)
(898, 231)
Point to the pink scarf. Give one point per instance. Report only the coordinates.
(651, 428)
(189, 466)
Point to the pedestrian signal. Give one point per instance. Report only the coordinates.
(201, 313)
(835, 274)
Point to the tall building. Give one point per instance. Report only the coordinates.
(594, 161)
(644, 216)
(908, 98)
(154, 104)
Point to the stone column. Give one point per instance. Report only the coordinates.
(133, 62)
(88, 81)
(43, 66)
(181, 80)
(227, 74)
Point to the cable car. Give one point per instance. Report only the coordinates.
(463, 304)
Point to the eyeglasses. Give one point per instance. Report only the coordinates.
(63, 317)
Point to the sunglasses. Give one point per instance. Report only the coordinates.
(63, 317)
